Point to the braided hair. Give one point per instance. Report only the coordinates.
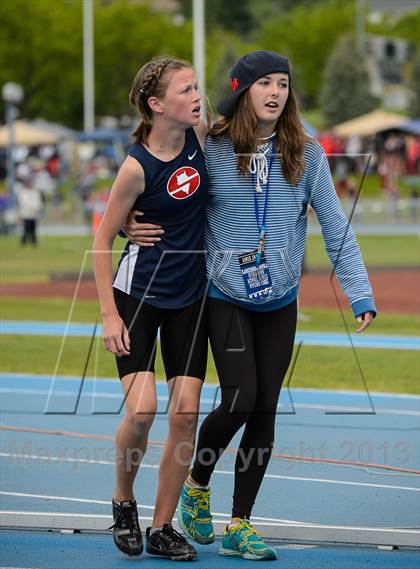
(150, 82)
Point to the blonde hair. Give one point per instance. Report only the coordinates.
(151, 81)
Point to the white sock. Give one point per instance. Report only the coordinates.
(122, 502)
(152, 531)
(234, 522)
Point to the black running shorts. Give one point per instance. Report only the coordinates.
(183, 337)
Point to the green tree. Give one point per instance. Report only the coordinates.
(41, 49)
(223, 48)
(41, 45)
(407, 26)
(127, 35)
(244, 17)
(414, 109)
(230, 15)
(265, 10)
(221, 83)
(306, 35)
(345, 92)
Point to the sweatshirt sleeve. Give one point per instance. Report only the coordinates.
(339, 238)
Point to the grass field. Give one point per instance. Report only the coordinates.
(320, 367)
(66, 254)
(58, 309)
(316, 367)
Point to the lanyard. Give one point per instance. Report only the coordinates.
(262, 228)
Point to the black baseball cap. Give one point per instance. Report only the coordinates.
(246, 71)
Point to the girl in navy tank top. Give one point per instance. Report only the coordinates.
(160, 287)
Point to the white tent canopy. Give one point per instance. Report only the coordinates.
(369, 124)
(27, 134)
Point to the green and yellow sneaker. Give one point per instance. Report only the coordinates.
(194, 516)
(242, 540)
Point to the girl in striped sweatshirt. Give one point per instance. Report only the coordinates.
(264, 172)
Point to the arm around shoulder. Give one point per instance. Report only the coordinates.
(128, 185)
(201, 131)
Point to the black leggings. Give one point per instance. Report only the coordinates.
(252, 351)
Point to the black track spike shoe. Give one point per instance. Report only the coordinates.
(167, 542)
(126, 528)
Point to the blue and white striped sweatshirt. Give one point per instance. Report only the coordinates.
(232, 230)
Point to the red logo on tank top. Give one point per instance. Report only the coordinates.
(183, 183)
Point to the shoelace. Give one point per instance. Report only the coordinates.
(172, 534)
(248, 531)
(203, 497)
(258, 165)
(129, 519)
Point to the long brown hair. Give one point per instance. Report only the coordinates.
(151, 81)
(290, 135)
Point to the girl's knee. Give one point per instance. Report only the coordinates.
(184, 419)
(140, 422)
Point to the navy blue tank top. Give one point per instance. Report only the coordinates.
(172, 274)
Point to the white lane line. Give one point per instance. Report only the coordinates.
(97, 395)
(29, 457)
(310, 338)
(349, 409)
(329, 408)
(391, 530)
(330, 481)
(140, 506)
(210, 386)
(63, 459)
(63, 498)
(61, 515)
